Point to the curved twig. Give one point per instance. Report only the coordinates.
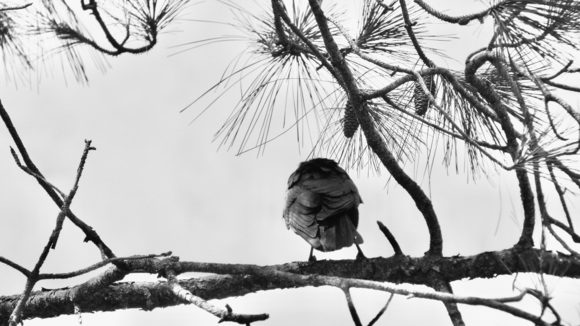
(460, 20)
(495, 101)
(391, 238)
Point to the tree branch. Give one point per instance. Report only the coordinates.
(374, 140)
(460, 20)
(91, 234)
(102, 294)
(495, 101)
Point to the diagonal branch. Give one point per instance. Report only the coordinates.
(351, 308)
(382, 311)
(224, 315)
(90, 233)
(374, 139)
(411, 33)
(33, 277)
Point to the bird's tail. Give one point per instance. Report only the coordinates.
(340, 234)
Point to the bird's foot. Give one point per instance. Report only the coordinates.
(312, 259)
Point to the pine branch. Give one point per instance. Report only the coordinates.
(103, 294)
(373, 138)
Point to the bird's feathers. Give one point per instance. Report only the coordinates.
(321, 205)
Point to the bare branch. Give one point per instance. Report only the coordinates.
(391, 238)
(351, 308)
(382, 311)
(460, 20)
(33, 277)
(409, 27)
(224, 315)
(91, 234)
(95, 266)
(14, 265)
(495, 101)
(373, 138)
(24, 6)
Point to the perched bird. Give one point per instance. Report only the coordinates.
(322, 206)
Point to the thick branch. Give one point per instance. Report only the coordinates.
(102, 294)
(373, 137)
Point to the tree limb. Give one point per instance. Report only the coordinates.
(102, 294)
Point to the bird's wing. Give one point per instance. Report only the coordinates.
(337, 194)
(300, 212)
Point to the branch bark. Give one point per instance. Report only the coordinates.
(238, 279)
(374, 140)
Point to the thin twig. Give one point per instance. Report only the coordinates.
(575, 237)
(15, 266)
(16, 8)
(98, 265)
(16, 315)
(40, 178)
(460, 20)
(496, 102)
(151, 37)
(224, 314)
(411, 33)
(351, 307)
(391, 238)
(279, 8)
(562, 199)
(91, 234)
(382, 311)
(561, 241)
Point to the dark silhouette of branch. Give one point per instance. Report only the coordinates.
(33, 277)
(495, 101)
(14, 265)
(224, 314)
(103, 294)
(409, 27)
(373, 138)
(460, 20)
(382, 311)
(91, 235)
(452, 309)
(24, 6)
(54, 276)
(391, 238)
(351, 307)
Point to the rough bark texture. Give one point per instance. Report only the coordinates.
(244, 279)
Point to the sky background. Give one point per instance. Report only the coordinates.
(157, 183)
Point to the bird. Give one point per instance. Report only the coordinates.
(322, 206)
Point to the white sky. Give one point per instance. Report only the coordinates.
(157, 183)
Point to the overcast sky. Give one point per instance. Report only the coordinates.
(157, 183)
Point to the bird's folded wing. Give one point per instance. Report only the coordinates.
(338, 194)
(301, 209)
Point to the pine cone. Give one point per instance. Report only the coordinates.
(420, 98)
(349, 122)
